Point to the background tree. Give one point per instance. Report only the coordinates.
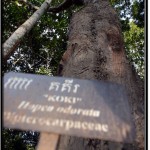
(16, 139)
(42, 48)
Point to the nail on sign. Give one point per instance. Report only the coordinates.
(86, 108)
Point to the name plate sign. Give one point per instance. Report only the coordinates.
(87, 108)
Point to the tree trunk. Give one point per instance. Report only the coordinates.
(96, 51)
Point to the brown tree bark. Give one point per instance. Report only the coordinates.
(96, 51)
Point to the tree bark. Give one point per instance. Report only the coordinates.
(96, 51)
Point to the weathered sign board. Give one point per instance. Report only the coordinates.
(85, 108)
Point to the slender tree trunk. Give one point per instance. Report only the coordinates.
(13, 41)
(96, 51)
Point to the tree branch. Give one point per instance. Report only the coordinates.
(14, 40)
(29, 4)
(65, 5)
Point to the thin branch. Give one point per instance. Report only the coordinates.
(17, 60)
(29, 4)
(65, 5)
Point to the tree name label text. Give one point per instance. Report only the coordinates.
(87, 108)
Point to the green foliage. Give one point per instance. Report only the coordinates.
(44, 44)
(11, 18)
(44, 71)
(138, 13)
(134, 45)
(131, 15)
(19, 140)
(130, 10)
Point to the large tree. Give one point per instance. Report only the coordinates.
(96, 51)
